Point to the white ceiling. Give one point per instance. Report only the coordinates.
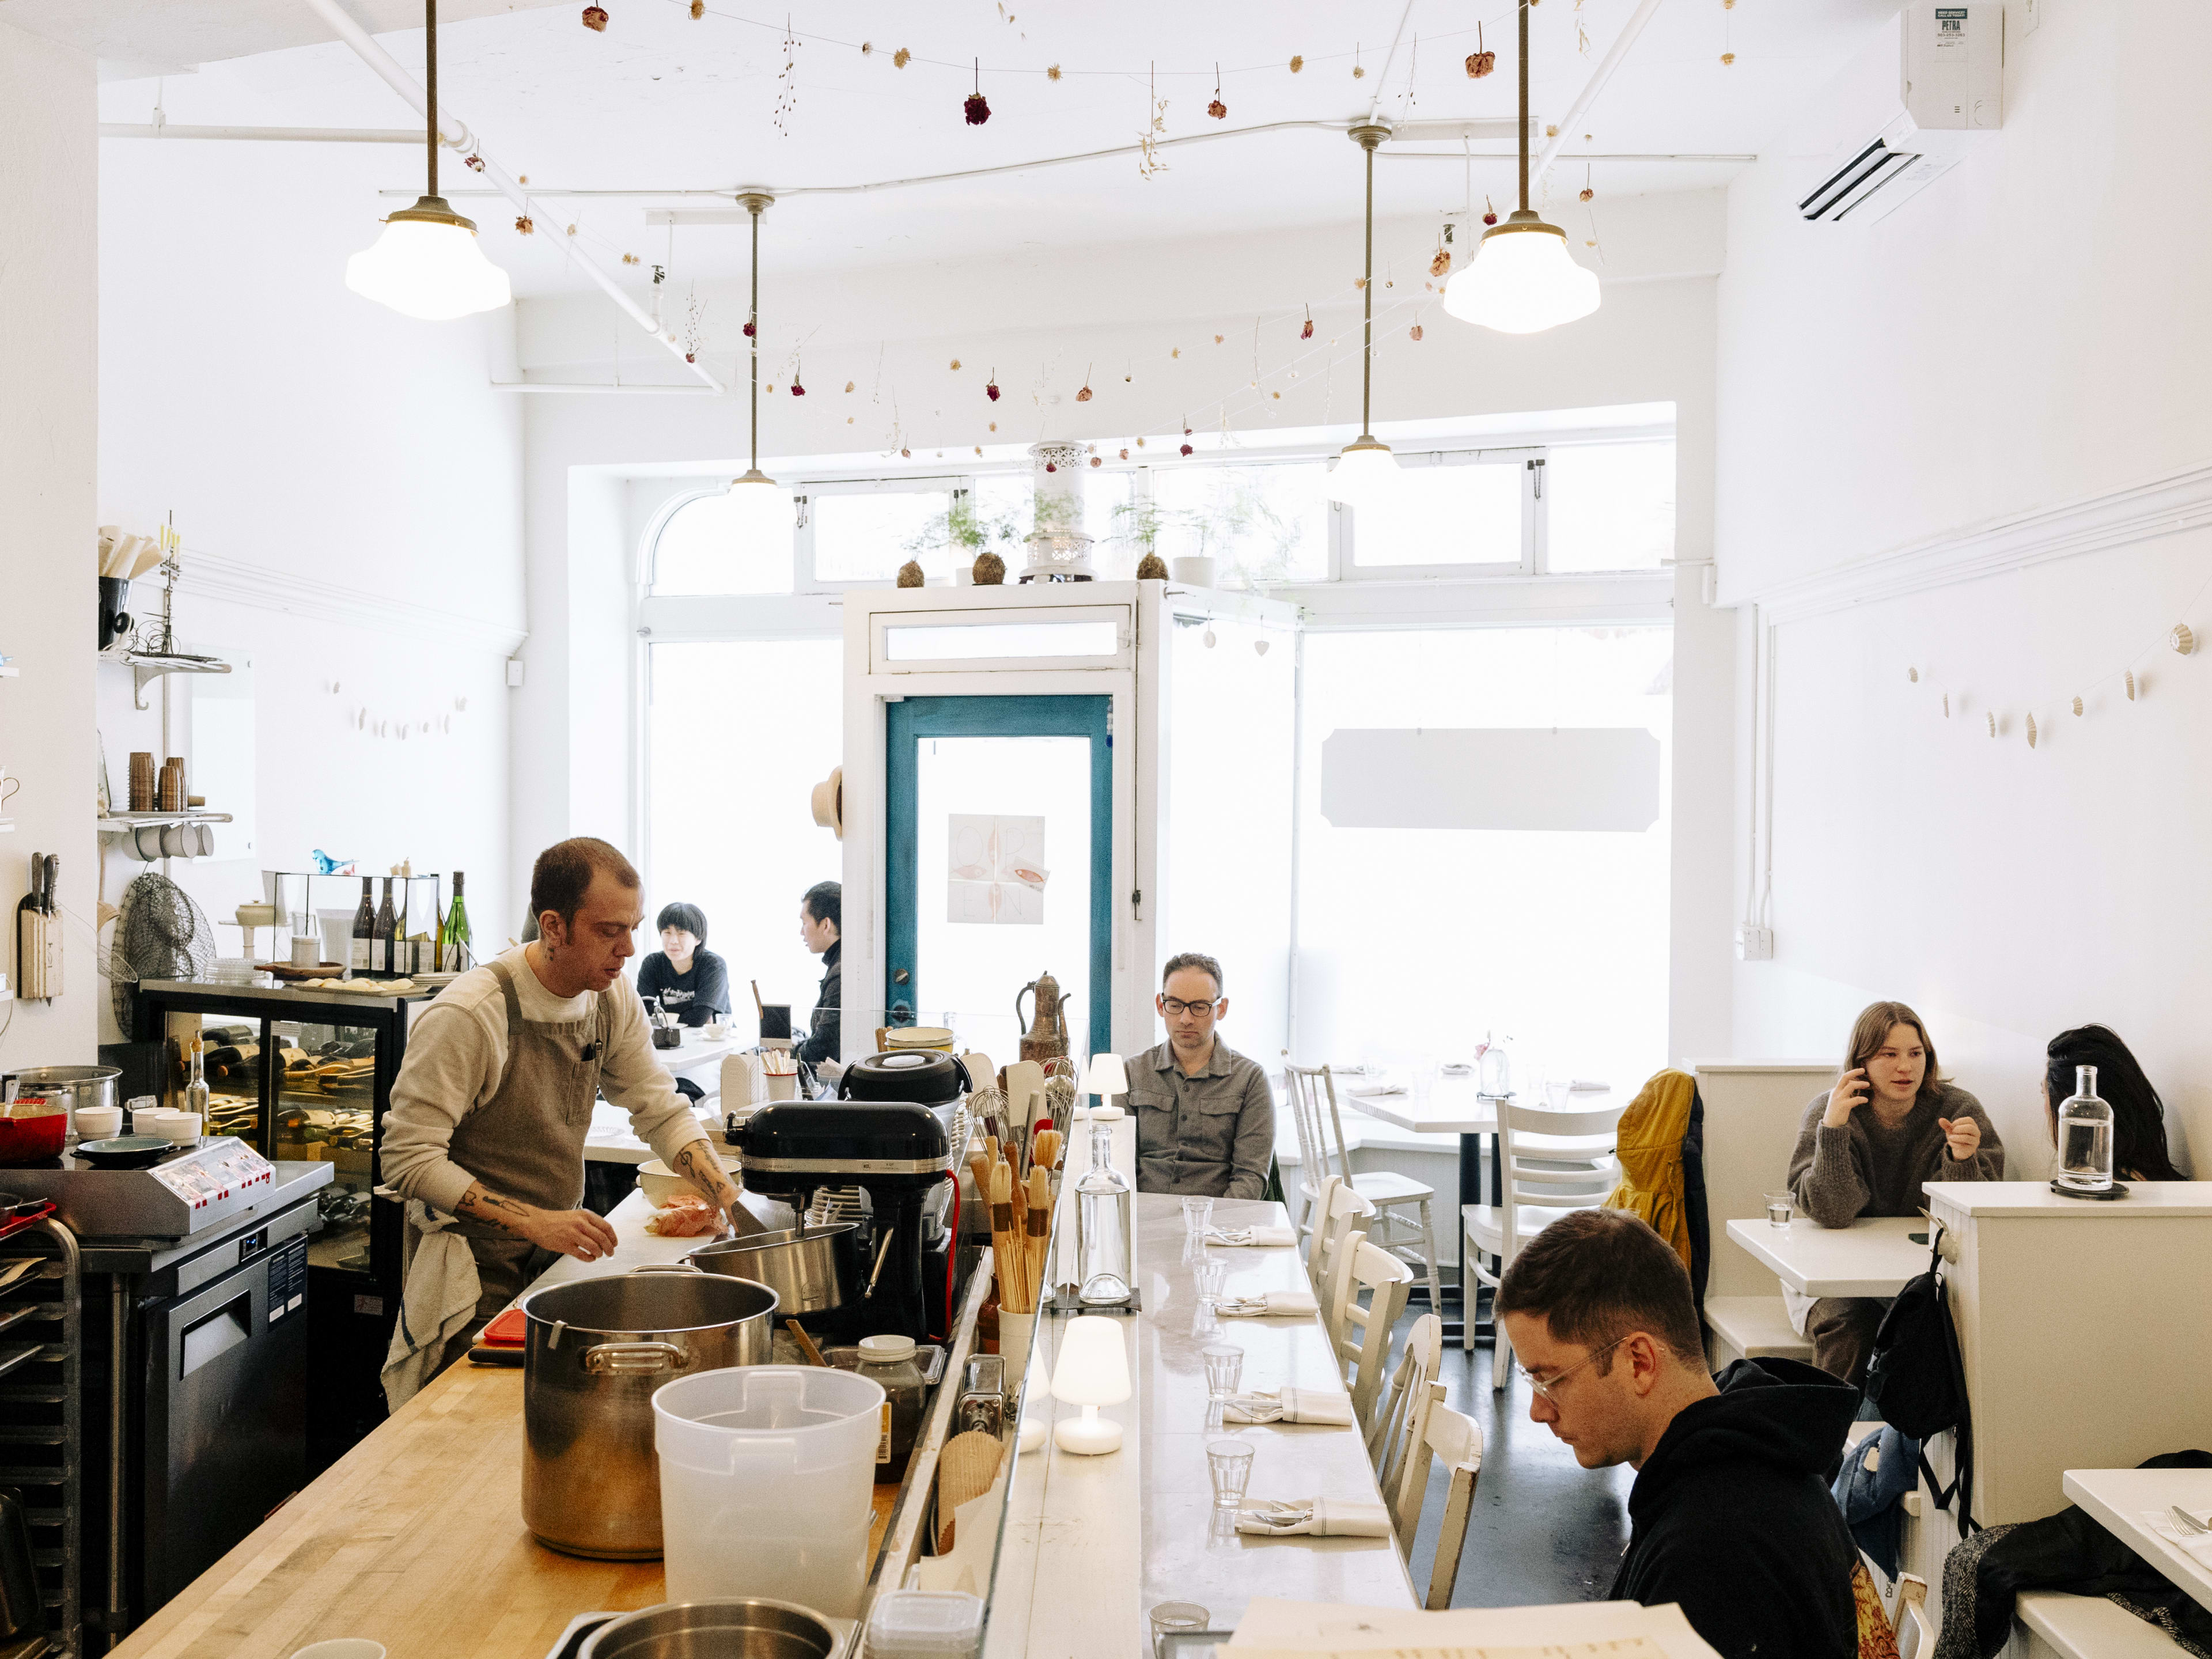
(660, 102)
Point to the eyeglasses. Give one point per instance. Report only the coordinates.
(1174, 1008)
(1545, 1390)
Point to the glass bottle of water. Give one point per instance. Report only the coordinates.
(1102, 1225)
(196, 1088)
(1495, 1071)
(2085, 1137)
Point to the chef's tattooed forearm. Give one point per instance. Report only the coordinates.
(480, 1203)
(697, 1165)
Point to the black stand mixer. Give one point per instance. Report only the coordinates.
(898, 1153)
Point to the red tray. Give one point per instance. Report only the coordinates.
(17, 1213)
(507, 1331)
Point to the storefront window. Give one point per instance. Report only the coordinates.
(704, 548)
(1612, 506)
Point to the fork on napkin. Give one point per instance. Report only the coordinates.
(1377, 1089)
(2197, 1545)
(1287, 1404)
(1238, 1237)
(1317, 1517)
(1270, 1304)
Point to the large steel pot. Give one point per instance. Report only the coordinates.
(755, 1628)
(595, 1350)
(66, 1086)
(811, 1269)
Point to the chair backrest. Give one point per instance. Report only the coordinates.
(1456, 1441)
(1321, 1130)
(1553, 1160)
(1910, 1622)
(1404, 1409)
(1340, 1218)
(1387, 1280)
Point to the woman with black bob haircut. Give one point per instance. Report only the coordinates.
(2138, 1117)
(683, 977)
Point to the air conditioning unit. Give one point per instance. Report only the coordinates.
(1952, 96)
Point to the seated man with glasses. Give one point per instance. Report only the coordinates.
(1206, 1118)
(1730, 1514)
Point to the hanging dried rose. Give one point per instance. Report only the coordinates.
(1216, 109)
(525, 225)
(1098, 460)
(749, 330)
(1306, 333)
(1084, 396)
(798, 390)
(1186, 449)
(1051, 467)
(1480, 63)
(595, 18)
(1491, 216)
(991, 388)
(1588, 194)
(1441, 264)
(693, 357)
(474, 163)
(1125, 454)
(901, 58)
(1052, 71)
(978, 109)
(698, 10)
(1413, 333)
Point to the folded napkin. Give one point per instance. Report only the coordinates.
(1325, 1517)
(1329, 1406)
(1379, 1089)
(1270, 1304)
(1237, 1237)
(2194, 1545)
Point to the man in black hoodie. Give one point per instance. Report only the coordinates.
(1730, 1514)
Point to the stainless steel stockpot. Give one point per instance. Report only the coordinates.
(595, 1350)
(755, 1628)
(811, 1269)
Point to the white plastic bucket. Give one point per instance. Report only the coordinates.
(766, 1476)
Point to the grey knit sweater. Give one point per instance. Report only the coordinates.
(1865, 1167)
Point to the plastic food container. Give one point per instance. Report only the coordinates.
(925, 1624)
(766, 1476)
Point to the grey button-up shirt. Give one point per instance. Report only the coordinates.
(1211, 1134)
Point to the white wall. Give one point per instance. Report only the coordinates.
(1913, 399)
(49, 349)
(348, 487)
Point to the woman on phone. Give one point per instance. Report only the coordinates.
(1866, 1147)
(2138, 1117)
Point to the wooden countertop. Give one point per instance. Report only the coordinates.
(414, 1538)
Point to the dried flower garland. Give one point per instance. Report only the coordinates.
(977, 108)
(595, 18)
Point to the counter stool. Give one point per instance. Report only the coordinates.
(1412, 1239)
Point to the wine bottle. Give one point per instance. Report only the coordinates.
(364, 931)
(381, 950)
(457, 958)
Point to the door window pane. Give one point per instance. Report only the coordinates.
(1463, 515)
(704, 547)
(866, 535)
(1263, 524)
(1611, 506)
(740, 732)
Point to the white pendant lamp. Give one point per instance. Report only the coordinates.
(1366, 472)
(426, 265)
(1522, 279)
(762, 507)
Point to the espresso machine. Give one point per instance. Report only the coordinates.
(898, 1153)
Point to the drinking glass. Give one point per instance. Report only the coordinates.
(1170, 1617)
(1229, 1463)
(1197, 1216)
(1224, 1368)
(1778, 1208)
(1209, 1276)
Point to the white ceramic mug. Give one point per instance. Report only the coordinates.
(716, 1029)
(176, 841)
(146, 839)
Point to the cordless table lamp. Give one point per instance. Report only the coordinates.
(1092, 1370)
(1105, 1076)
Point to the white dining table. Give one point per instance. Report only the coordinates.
(1452, 1106)
(2123, 1502)
(1874, 1256)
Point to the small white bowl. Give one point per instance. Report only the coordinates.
(97, 1122)
(660, 1183)
(180, 1127)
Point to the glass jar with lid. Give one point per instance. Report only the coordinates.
(889, 1362)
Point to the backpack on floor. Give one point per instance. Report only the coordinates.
(1916, 1378)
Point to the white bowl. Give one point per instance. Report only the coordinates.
(180, 1126)
(660, 1183)
(97, 1122)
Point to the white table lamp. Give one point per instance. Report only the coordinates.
(1092, 1370)
(1105, 1076)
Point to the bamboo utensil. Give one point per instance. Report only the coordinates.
(805, 1343)
(965, 1469)
(1002, 1240)
(1040, 1238)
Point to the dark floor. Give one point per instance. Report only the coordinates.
(1544, 1529)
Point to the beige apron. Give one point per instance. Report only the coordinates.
(527, 1142)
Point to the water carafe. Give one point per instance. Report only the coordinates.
(2085, 1137)
(1102, 1226)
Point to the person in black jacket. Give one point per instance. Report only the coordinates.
(683, 977)
(821, 921)
(1730, 1514)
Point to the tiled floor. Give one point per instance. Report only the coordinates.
(1544, 1529)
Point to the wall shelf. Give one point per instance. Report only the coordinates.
(117, 823)
(147, 667)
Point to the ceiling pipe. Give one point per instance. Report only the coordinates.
(1588, 96)
(270, 134)
(455, 134)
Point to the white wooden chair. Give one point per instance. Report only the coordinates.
(1411, 1238)
(1434, 1428)
(1386, 1279)
(1909, 1621)
(1340, 1222)
(1551, 1161)
(1404, 1398)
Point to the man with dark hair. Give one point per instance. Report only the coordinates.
(1730, 1514)
(1206, 1118)
(485, 1136)
(821, 917)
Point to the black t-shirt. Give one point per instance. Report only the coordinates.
(695, 997)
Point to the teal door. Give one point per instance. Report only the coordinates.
(1000, 861)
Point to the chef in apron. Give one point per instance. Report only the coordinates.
(485, 1137)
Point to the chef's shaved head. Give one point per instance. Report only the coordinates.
(563, 872)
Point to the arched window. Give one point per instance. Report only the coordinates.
(701, 547)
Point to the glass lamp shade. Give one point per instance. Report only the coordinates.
(1091, 1370)
(1105, 1075)
(1521, 279)
(762, 507)
(426, 265)
(1365, 472)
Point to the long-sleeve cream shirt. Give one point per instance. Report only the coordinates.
(457, 1051)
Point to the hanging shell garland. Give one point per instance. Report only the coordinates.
(2077, 707)
(1415, 332)
(2031, 730)
(1993, 725)
(901, 58)
(2183, 639)
(1440, 263)
(1298, 62)
(2128, 680)
(1912, 674)
(1947, 705)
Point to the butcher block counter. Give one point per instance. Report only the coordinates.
(414, 1538)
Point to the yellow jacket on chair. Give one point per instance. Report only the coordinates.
(1662, 1178)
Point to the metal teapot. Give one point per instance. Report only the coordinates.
(1046, 1036)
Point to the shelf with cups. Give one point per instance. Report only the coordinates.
(147, 667)
(122, 823)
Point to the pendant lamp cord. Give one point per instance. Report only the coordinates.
(1524, 106)
(753, 343)
(430, 76)
(1367, 296)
